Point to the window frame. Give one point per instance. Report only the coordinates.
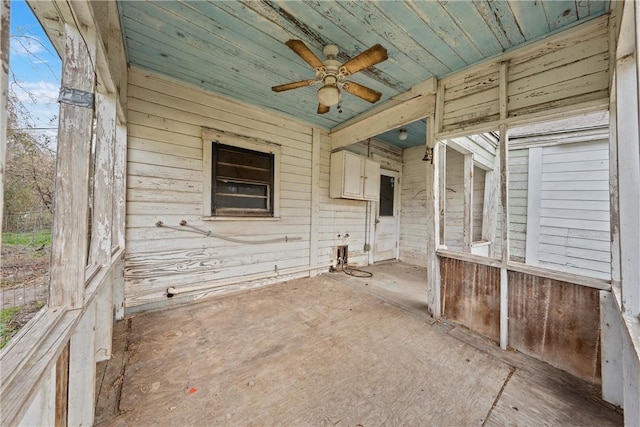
(242, 143)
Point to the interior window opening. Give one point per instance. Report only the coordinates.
(470, 188)
(559, 195)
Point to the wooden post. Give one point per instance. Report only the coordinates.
(433, 221)
(69, 244)
(611, 332)
(628, 179)
(5, 12)
(119, 213)
(467, 217)
(100, 250)
(314, 229)
(504, 309)
(62, 384)
(442, 189)
(101, 228)
(504, 191)
(119, 186)
(82, 371)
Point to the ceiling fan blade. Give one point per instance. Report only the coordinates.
(372, 56)
(293, 85)
(362, 91)
(305, 53)
(322, 109)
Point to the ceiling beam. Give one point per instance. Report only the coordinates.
(395, 115)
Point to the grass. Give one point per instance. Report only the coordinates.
(37, 239)
(6, 326)
(9, 325)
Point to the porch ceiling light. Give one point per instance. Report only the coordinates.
(329, 95)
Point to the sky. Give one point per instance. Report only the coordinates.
(34, 69)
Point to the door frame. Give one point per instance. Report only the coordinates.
(374, 209)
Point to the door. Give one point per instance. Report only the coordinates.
(387, 218)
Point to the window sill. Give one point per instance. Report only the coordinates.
(241, 218)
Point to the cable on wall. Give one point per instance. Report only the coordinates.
(184, 226)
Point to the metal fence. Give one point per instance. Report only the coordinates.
(24, 269)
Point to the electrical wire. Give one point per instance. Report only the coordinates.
(355, 272)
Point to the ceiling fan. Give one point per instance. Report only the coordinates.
(332, 74)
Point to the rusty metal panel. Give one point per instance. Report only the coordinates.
(557, 322)
(471, 296)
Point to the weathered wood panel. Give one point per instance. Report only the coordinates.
(557, 322)
(165, 182)
(471, 295)
(413, 219)
(454, 200)
(564, 70)
(69, 248)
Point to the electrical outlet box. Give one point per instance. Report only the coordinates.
(367, 247)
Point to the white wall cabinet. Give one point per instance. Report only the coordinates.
(354, 177)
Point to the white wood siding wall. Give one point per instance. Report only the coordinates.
(165, 184)
(341, 217)
(413, 221)
(518, 194)
(573, 209)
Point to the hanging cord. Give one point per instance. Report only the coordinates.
(190, 228)
(355, 272)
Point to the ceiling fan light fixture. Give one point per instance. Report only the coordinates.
(402, 134)
(329, 95)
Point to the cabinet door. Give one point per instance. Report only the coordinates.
(371, 180)
(353, 175)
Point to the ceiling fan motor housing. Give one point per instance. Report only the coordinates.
(332, 74)
(329, 94)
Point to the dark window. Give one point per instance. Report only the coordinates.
(386, 195)
(241, 182)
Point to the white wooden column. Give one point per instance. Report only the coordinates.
(433, 220)
(628, 184)
(5, 8)
(620, 325)
(82, 371)
(504, 193)
(101, 228)
(119, 213)
(314, 228)
(467, 217)
(100, 250)
(69, 244)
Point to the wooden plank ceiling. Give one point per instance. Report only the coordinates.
(236, 48)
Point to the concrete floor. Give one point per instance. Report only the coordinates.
(331, 350)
